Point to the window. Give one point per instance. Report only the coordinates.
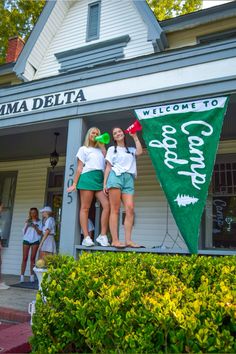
(7, 196)
(93, 22)
(214, 37)
(224, 204)
(220, 213)
(54, 194)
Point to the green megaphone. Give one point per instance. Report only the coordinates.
(103, 138)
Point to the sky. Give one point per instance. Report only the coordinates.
(210, 3)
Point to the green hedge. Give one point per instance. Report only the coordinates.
(137, 303)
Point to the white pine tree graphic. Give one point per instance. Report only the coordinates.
(184, 200)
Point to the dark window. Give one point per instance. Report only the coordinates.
(7, 196)
(224, 205)
(214, 37)
(93, 22)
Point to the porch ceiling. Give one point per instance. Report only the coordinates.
(31, 142)
(123, 119)
(37, 140)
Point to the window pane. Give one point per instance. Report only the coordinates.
(7, 194)
(224, 222)
(93, 21)
(55, 179)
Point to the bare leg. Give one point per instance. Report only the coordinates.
(128, 201)
(115, 200)
(34, 250)
(26, 249)
(86, 198)
(105, 211)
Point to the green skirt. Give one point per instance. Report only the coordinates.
(91, 181)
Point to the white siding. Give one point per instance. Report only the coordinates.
(227, 147)
(151, 210)
(30, 192)
(117, 18)
(45, 38)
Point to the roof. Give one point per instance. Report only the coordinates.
(155, 33)
(200, 17)
(6, 68)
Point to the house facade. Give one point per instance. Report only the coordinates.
(91, 63)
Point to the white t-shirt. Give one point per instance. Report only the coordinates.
(92, 158)
(30, 234)
(122, 161)
(49, 224)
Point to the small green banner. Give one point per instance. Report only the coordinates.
(182, 140)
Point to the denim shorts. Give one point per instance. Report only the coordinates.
(125, 182)
(30, 243)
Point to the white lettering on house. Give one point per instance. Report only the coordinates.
(42, 102)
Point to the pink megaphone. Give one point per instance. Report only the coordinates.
(133, 128)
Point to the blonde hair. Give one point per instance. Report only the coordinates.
(87, 141)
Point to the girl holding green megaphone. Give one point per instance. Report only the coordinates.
(89, 181)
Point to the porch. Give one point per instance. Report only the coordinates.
(38, 184)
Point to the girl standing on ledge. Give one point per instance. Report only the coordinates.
(119, 184)
(89, 181)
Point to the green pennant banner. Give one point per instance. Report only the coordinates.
(182, 140)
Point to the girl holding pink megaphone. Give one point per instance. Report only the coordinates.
(119, 178)
(89, 181)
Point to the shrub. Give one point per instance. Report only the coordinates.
(136, 303)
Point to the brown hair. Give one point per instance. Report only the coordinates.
(32, 209)
(115, 142)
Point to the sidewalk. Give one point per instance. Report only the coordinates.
(15, 326)
(16, 298)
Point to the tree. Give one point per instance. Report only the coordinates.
(17, 19)
(164, 9)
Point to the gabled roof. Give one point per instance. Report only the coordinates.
(21, 61)
(155, 33)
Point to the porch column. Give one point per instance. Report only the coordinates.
(70, 230)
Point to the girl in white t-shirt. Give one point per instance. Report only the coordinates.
(47, 245)
(89, 181)
(119, 184)
(31, 237)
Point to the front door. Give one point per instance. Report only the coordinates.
(54, 195)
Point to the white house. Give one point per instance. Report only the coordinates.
(91, 63)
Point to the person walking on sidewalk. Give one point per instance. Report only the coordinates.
(89, 181)
(31, 237)
(3, 286)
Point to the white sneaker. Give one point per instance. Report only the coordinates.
(32, 278)
(3, 286)
(22, 279)
(103, 240)
(87, 241)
